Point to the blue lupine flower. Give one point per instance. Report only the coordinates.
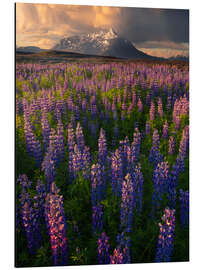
(166, 236)
(127, 204)
(160, 179)
(103, 249)
(184, 208)
(97, 222)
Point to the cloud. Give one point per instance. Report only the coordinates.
(45, 24)
(143, 24)
(164, 52)
(163, 44)
(47, 21)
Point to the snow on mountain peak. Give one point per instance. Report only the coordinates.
(96, 42)
(104, 34)
(105, 42)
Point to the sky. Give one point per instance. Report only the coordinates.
(158, 32)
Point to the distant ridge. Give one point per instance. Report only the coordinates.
(29, 49)
(179, 58)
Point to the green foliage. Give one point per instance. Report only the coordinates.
(45, 82)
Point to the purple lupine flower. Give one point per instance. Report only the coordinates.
(53, 147)
(77, 161)
(108, 168)
(148, 99)
(177, 122)
(39, 199)
(117, 173)
(49, 168)
(30, 222)
(138, 181)
(166, 236)
(117, 257)
(70, 167)
(86, 162)
(160, 108)
(45, 130)
(37, 152)
(165, 130)
(103, 249)
(184, 105)
(147, 128)
(130, 158)
(130, 108)
(123, 107)
(171, 145)
(176, 109)
(58, 114)
(77, 113)
(169, 103)
(24, 181)
(84, 105)
(119, 98)
(70, 103)
(72, 121)
(84, 121)
(71, 138)
(134, 98)
(27, 217)
(155, 138)
(160, 179)
(60, 141)
(123, 150)
(97, 184)
(186, 134)
(94, 110)
(127, 204)
(152, 111)
(180, 164)
(135, 146)
(171, 187)
(140, 105)
(18, 221)
(155, 156)
(70, 143)
(115, 116)
(102, 154)
(181, 107)
(102, 148)
(122, 115)
(32, 144)
(183, 148)
(80, 137)
(57, 226)
(97, 222)
(184, 208)
(124, 246)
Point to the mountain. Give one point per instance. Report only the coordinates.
(102, 42)
(179, 58)
(29, 49)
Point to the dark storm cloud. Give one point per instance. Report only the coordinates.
(141, 24)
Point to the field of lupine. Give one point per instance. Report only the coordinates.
(102, 163)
